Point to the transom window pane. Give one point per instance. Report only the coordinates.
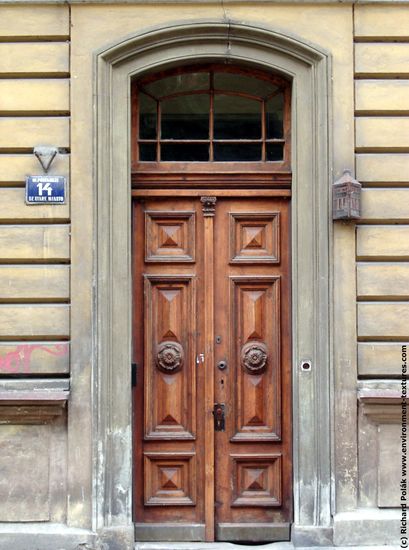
(147, 117)
(185, 82)
(274, 151)
(147, 151)
(185, 117)
(186, 152)
(232, 82)
(236, 117)
(211, 115)
(274, 116)
(237, 152)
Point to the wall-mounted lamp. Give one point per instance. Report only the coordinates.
(346, 198)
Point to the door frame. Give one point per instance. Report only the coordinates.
(309, 68)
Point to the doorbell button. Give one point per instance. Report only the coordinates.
(306, 366)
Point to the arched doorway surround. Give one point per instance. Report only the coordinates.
(308, 68)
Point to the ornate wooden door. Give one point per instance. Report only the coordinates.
(212, 399)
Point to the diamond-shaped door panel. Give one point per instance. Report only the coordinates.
(170, 236)
(256, 480)
(169, 479)
(254, 237)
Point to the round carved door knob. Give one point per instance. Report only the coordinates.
(254, 357)
(169, 357)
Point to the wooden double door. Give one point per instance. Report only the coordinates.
(212, 398)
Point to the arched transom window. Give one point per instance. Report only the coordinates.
(211, 114)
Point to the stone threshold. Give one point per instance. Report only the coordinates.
(231, 546)
(211, 546)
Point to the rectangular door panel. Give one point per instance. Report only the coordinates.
(170, 478)
(255, 237)
(257, 479)
(170, 352)
(170, 236)
(256, 358)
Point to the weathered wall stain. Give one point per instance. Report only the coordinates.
(19, 360)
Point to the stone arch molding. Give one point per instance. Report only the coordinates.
(309, 69)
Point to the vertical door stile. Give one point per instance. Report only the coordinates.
(209, 207)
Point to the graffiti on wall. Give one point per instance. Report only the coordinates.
(19, 359)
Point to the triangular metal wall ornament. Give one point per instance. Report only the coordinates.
(45, 155)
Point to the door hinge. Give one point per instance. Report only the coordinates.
(134, 374)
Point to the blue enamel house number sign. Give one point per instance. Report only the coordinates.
(45, 189)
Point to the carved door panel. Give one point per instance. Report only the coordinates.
(211, 325)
